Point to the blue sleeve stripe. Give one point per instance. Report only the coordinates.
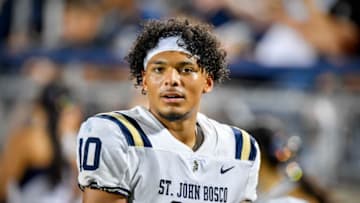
(123, 128)
(253, 151)
(238, 143)
(144, 138)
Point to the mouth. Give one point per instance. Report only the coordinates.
(172, 97)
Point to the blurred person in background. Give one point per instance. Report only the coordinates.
(332, 29)
(297, 33)
(81, 24)
(36, 73)
(168, 151)
(323, 117)
(38, 159)
(349, 12)
(281, 177)
(21, 23)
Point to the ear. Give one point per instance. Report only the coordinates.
(209, 84)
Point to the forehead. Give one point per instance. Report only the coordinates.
(173, 57)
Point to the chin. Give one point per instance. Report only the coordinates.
(174, 115)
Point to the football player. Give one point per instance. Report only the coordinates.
(168, 152)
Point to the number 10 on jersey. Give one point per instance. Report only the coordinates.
(89, 153)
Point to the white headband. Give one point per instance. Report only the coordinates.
(165, 44)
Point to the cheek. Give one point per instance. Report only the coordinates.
(198, 84)
(196, 89)
(156, 79)
(150, 82)
(152, 88)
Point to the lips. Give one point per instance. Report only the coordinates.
(172, 96)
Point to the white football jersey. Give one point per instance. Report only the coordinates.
(132, 154)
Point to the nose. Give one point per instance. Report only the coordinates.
(172, 77)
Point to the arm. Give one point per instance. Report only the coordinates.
(97, 196)
(107, 177)
(13, 160)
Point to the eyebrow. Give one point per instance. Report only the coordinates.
(184, 63)
(159, 62)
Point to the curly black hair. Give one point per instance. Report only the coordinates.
(197, 38)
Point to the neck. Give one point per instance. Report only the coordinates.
(182, 129)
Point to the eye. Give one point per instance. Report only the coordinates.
(187, 69)
(158, 69)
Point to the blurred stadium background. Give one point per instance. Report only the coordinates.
(296, 61)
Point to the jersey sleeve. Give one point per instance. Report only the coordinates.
(251, 192)
(247, 149)
(102, 157)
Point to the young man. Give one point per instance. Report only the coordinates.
(168, 152)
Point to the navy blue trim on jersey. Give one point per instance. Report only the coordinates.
(123, 128)
(238, 142)
(80, 153)
(95, 164)
(253, 151)
(144, 138)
